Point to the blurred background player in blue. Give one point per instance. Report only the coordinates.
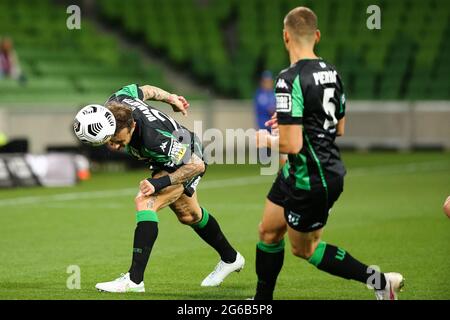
(264, 100)
(9, 62)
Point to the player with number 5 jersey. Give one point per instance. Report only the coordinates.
(310, 115)
(310, 93)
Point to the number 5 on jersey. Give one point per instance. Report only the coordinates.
(330, 108)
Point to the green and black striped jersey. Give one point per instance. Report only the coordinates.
(158, 138)
(310, 93)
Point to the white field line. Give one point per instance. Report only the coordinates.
(401, 168)
(223, 183)
(126, 192)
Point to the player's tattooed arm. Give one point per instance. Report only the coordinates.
(154, 93)
(194, 167)
(178, 103)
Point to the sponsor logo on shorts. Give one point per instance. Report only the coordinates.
(317, 224)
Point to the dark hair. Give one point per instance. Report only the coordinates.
(122, 114)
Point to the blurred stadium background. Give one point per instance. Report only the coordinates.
(396, 78)
(213, 51)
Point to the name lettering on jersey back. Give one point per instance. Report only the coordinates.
(141, 106)
(324, 77)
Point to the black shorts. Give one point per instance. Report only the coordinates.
(190, 186)
(306, 210)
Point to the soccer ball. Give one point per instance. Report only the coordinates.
(94, 125)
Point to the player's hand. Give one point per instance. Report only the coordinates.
(273, 122)
(262, 137)
(178, 103)
(146, 188)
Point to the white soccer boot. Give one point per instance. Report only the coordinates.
(222, 270)
(121, 284)
(394, 284)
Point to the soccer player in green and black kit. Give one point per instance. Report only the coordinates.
(175, 155)
(310, 114)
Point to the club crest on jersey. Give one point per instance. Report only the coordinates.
(281, 84)
(284, 102)
(294, 218)
(177, 152)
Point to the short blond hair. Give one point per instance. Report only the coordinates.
(301, 22)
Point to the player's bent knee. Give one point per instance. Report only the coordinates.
(188, 219)
(187, 212)
(303, 252)
(270, 236)
(188, 216)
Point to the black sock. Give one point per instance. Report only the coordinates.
(209, 230)
(340, 263)
(269, 261)
(144, 237)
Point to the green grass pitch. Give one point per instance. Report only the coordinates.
(390, 215)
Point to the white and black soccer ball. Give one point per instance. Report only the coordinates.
(94, 125)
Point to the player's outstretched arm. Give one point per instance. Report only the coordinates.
(178, 103)
(194, 167)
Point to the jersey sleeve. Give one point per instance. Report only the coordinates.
(131, 90)
(289, 100)
(165, 148)
(340, 112)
